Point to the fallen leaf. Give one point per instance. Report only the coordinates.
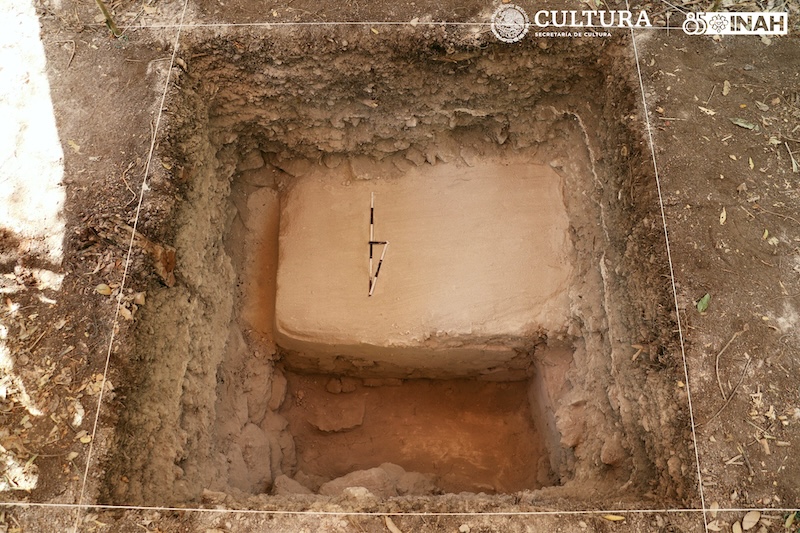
(750, 520)
(736, 527)
(149, 9)
(714, 525)
(702, 303)
(706, 110)
(723, 217)
(103, 289)
(71, 456)
(125, 313)
(414, 22)
(613, 517)
(790, 520)
(75, 146)
(726, 88)
(390, 525)
(713, 509)
(773, 241)
(750, 163)
(370, 103)
(139, 298)
(765, 235)
(742, 123)
(762, 106)
(86, 439)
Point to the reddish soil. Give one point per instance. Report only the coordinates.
(475, 436)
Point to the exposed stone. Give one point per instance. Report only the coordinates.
(214, 497)
(311, 481)
(334, 386)
(250, 161)
(375, 480)
(261, 177)
(612, 452)
(258, 395)
(346, 412)
(416, 484)
(284, 485)
(273, 422)
(278, 390)
(257, 456)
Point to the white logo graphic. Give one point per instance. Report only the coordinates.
(510, 23)
(736, 23)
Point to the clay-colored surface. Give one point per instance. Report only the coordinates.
(474, 436)
(477, 263)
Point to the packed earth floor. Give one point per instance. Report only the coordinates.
(366, 267)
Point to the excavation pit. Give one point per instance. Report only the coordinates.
(494, 354)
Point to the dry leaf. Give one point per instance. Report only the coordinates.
(742, 123)
(613, 517)
(86, 439)
(750, 163)
(736, 527)
(714, 509)
(762, 106)
(714, 525)
(125, 313)
(726, 88)
(103, 289)
(750, 520)
(723, 217)
(391, 526)
(707, 111)
(75, 146)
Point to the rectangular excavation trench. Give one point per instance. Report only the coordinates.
(493, 353)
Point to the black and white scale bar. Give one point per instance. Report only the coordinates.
(371, 235)
(378, 271)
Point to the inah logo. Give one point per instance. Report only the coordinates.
(736, 23)
(510, 23)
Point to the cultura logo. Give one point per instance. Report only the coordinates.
(510, 23)
(736, 23)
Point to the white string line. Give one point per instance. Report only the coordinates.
(127, 267)
(279, 512)
(674, 7)
(672, 280)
